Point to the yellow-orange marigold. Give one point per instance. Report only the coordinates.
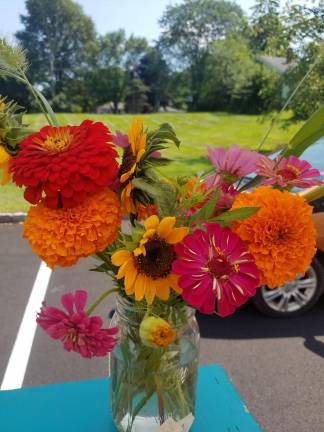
(62, 236)
(280, 236)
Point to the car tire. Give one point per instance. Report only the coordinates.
(296, 297)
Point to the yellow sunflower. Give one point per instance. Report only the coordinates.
(127, 203)
(134, 152)
(4, 165)
(147, 270)
(2, 104)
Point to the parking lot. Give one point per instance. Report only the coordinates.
(276, 365)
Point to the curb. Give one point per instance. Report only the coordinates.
(12, 217)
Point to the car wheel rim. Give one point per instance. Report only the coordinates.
(293, 295)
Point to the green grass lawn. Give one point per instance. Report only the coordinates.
(195, 130)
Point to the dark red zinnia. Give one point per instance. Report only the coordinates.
(65, 164)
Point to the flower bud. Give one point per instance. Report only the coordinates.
(156, 332)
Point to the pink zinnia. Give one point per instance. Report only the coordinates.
(227, 191)
(288, 172)
(120, 139)
(78, 331)
(215, 265)
(234, 163)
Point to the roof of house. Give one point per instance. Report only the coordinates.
(279, 64)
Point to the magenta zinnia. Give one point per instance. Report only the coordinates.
(288, 172)
(77, 330)
(214, 265)
(233, 163)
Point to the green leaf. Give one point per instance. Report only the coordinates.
(309, 133)
(164, 133)
(208, 209)
(160, 161)
(236, 214)
(47, 107)
(163, 195)
(103, 268)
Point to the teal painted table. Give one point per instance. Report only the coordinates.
(83, 407)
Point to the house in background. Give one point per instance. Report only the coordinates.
(281, 66)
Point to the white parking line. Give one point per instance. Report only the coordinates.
(18, 361)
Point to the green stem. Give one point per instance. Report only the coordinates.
(100, 299)
(141, 405)
(49, 114)
(276, 118)
(160, 399)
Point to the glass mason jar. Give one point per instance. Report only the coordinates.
(151, 384)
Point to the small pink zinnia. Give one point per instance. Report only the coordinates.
(287, 172)
(234, 163)
(120, 139)
(215, 265)
(78, 331)
(227, 191)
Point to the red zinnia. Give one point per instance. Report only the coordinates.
(65, 163)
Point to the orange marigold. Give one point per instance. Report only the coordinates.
(280, 236)
(62, 236)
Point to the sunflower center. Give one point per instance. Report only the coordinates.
(157, 263)
(219, 267)
(57, 142)
(129, 159)
(289, 173)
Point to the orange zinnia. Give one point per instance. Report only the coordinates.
(280, 236)
(62, 236)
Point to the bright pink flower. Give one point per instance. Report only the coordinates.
(78, 331)
(120, 139)
(215, 265)
(227, 192)
(288, 172)
(233, 163)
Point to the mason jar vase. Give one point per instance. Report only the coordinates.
(151, 384)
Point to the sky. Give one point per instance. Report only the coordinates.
(139, 17)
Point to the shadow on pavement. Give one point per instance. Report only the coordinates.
(248, 323)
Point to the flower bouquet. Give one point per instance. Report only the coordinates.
(172, 246)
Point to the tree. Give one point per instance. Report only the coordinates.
(154, 73)
(229, 78)
(136, 96)
(189, 29)
(108, 81)
(267, 32)
(117, 61)
(60, 41)
(310, 97)
(305, 24)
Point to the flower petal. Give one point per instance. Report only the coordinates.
(151, 222)
(177, 235)
(165, 226)
(118, 258)
(150, 290)
(140, 287)
(124, 268)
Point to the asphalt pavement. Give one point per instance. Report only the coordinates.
(276, 365)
